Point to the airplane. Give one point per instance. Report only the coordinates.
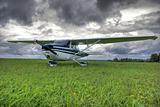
(67, 49)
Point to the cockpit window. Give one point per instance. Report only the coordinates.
(61, 43)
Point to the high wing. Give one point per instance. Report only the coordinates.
(41, 42)
(91, 40)
(114, 39)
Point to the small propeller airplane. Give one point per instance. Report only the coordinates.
(60, 50)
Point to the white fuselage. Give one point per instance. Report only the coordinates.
(60, 56)
(62, 50)
(53, 52)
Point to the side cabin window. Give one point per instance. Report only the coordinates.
(61, 43)
(67, 44)
(75, 47)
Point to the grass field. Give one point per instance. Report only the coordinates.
(32, 83)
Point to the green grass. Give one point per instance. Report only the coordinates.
(32, 83)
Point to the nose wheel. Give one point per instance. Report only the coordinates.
(52, 63)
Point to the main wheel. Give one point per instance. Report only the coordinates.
(52, 63)
(83, 63)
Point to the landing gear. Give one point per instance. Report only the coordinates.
(83, 64)
(52, 63)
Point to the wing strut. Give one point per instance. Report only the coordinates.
(88, 46)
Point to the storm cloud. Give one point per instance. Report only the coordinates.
(148, 47)
(19, 10)
(108, 4)
(77, 12)
(80, 12)
(19, 49)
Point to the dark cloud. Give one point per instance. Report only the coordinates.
(19, 49)
(121, 48)
(77, 11)
(147, 47)
(150, 21)
(19, 10)
(158, 20)
(80, 12)
(156, 1)
(108, 4)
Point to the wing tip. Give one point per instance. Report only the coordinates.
(155, 37)
(11, 41)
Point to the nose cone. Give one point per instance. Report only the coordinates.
(47, 47)
(44, 47)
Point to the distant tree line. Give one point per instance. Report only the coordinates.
(155, 57)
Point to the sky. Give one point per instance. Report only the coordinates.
(60, 19)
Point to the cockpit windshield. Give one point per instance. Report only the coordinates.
(61, 43)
